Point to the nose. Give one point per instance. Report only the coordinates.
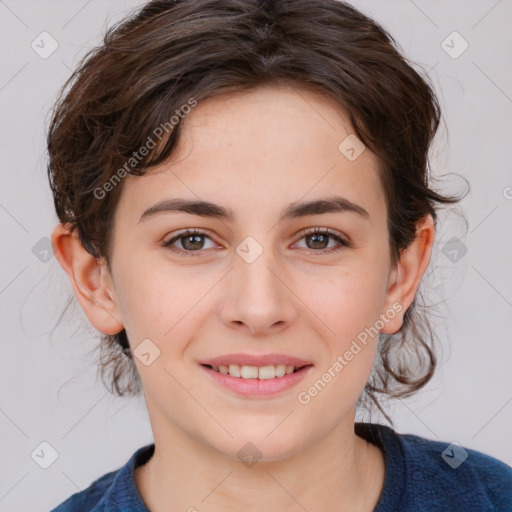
(258, 299)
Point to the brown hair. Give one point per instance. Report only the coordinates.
(167, 52)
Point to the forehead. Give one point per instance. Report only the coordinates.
(273, 145)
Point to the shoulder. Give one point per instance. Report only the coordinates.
(451, 473)
(89, 498)
(113, 492)
(433, 475)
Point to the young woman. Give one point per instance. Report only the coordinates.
(246, 215)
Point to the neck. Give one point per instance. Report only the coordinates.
(339, 472)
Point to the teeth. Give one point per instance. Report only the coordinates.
(255, 372)
(234, 370)
(246, 372)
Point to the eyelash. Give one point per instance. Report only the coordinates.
(311, 231)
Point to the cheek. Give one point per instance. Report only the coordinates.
(347, 302)
(149, 301)
(163, 304)
(350, 305)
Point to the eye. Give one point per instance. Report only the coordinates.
(319, 238)
(190, 240)
(193, 240)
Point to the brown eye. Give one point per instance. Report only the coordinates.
(188, 242)
(192, 242)
(318, 240)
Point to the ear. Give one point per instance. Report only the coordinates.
(90, 278)
(406, 275)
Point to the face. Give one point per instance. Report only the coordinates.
(252, 278)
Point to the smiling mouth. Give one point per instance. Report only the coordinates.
(256, 372)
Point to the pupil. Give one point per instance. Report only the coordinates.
(197, 238)
(317, 236)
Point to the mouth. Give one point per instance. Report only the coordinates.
(256, 372)
(256, 381)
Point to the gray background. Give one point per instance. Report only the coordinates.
(49, 387)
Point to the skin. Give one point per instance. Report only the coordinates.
(254, 153)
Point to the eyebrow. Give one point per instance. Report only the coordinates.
(335, 204)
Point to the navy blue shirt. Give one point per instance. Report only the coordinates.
(421, 475)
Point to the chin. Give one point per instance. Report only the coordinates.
(258, 446)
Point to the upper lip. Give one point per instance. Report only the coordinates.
(256, 360)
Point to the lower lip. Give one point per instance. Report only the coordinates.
(258, 387)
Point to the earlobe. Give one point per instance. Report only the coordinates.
(408, 272)
(93, 289)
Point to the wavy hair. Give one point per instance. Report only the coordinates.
(152, 62)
